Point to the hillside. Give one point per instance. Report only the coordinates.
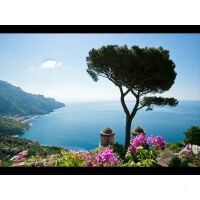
(19, 152)
(11, 146)
(12, 127)
(14, 101)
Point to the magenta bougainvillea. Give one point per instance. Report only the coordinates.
(20, 156)
(106, 158)
(140, 140)
(137, 141)
(157, 142)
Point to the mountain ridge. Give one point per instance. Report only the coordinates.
(16, 102)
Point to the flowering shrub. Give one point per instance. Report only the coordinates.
(139, 154)
(119, 150)
(186, 152)
(141, 158)
(137, 141)
(157, 142)
(105, 158)
(131, 149)
(71, 159)
(187, 147)
(20, 156)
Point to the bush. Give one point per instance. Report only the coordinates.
(119, 150)
(104, 158)
(175, 162)
(12, 127)
(181, 162)
(175, 147)
(140, 158)
(192, 135)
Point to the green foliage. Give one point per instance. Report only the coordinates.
(192, 135)
(68, 159)
(44, 156)
(159, 101)
(11, 146)
(119, 150)
(195, 162)
(11, 127)
(35, 161)
(142, 158)
(142, 69)
(14, 101)
(139, 71)
(5, 163)
(175, 162)
(175, 146)
(181, 162)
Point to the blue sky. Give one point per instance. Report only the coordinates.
(55, 64)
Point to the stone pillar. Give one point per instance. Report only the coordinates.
(106, 137)
(136, 131)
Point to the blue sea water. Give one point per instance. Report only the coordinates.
(77, 125)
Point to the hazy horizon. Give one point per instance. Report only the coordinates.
(54, 65)
(101, 100)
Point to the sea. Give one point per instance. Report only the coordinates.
(77, 126)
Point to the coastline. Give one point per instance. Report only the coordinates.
(28, 118)
(21, 118)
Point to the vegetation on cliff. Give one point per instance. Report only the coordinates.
(11, 146)
(12, 127)
(14, 101)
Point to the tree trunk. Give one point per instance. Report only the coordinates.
(129, 116)
(128, 131)
(129, 119)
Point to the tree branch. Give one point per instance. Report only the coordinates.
(127, 92)
(159, 101)
(141, 107)
(113, 81)
(135, 107)
(123, 102)
(102, 76)
(134, 93)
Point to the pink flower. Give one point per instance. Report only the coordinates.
(139, 140)
(106, 158)
(187, 147)
(21, 156)
(131, 149)
(89, 164)
(149, 140)
(156, 141)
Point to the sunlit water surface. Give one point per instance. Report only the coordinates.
(77, 125)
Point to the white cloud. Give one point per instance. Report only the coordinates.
(50, 64)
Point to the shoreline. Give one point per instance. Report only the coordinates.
(21, 118)
(28, 118)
